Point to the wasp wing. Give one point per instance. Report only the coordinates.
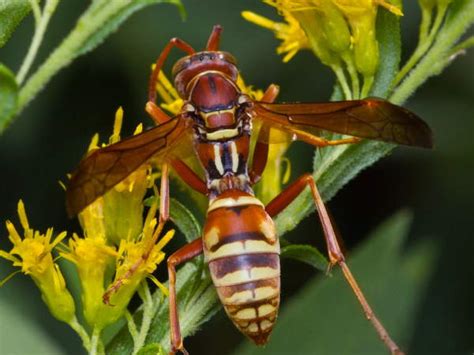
(106, 167)
(369, 118)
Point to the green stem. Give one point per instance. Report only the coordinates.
(341, 77)
(36, 11)
(459, 48)
(426, 17)
(79, 329)
(99, 20)
(351, 69)
(132, 327)
(41, 24)
(439, 54)
(423, 46)
(147, 317)
(368, 81)
(95, 340)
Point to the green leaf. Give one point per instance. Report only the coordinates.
(390, 49)
(307, 254)
(8, 95)
(12, 12)
(151, 349)
(112, 21)
(325, 317)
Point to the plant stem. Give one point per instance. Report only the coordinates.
(353, 74)
(132, 327)
(423, 45)
(94, 344)
(426, 17)
(147, 317)
(41, 24)
(341, 77)
(438, 56)
(368, 81)
(79, 329)
(101, 16)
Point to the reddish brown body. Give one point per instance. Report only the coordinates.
(239, 240)
(242, 250)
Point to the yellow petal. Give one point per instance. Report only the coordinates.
(22, 215)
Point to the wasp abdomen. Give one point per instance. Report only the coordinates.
(242, 251)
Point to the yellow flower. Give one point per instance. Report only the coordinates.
(340, 32)
(292, 36)
(93, 259)
(119, 213)
(33, 253)
(361, 15)
(172, 102)
(131, 267)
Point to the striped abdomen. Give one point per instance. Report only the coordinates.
(242, 250)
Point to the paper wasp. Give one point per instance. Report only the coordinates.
(239, 240)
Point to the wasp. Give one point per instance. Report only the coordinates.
(217, 120)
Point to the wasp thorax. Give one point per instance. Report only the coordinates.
(188, 68)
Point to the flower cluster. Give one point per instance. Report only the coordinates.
(341, 33)
(113, 257)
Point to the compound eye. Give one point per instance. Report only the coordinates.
(189, 108)
(243, 99)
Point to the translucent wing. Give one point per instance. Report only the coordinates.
(370, 118)
(106, 167)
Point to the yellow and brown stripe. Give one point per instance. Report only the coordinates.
(242, 251)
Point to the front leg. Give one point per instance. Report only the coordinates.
(182, 255)
(334, 251)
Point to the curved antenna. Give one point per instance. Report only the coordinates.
(214, 39)
(174, 42)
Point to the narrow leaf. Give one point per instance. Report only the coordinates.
(325, 318)
(12, 12)
(390, 48)
(8, 96)
(114, 20)
(305, 253)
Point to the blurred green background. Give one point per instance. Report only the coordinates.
(51, 135)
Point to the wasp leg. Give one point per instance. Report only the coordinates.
(214, 39)
(182, 255)
(189, 176)
(260, 153)
(156, 113)
(334, 251)
(323, 142)
(174, 42)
